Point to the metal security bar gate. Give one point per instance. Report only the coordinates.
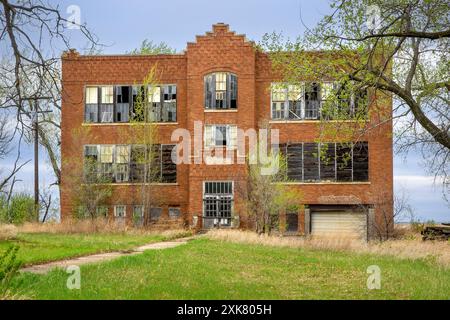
(217, 204)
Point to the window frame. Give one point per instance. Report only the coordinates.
(230, 94)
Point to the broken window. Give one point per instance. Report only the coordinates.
(291, 221)
(91, 105)
(120, 211)
(361, 161)
(312, 101)
(169, 109)
(137, 163)
(122, 103)
(279, 101)
(106, 162)
(360, 103)
(154, 98)
(90, 162)
(155, 214)
(163, 102)
(221, 135)
(122, 163)
(138, 215)
(139, 104)
(174, 212)
(344, 162)
(327, 162)
(168, 167)
(295, 102)
(310, 161)
(221, 91)
(102, 211)
(106, 104)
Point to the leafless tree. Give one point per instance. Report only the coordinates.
(33, 34)
(384, 225)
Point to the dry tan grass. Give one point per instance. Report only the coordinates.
(8, 295)
(406, 249)
(96, 226)
(7, 231)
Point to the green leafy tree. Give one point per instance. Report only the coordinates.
(265, 196)
(18, 210)
(149, 47)
(395, 49)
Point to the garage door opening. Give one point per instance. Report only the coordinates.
(339, 222)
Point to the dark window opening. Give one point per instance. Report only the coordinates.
(292, 222)
(327, 162)
(344, 162)
(361, 161)
(311, 162)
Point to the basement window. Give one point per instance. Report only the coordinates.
(138, 215)
(291, 221)
(120, 211)
(174, 212)
(155, 214)
(221, 91)
(102, 211)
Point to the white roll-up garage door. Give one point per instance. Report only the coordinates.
(339, 224)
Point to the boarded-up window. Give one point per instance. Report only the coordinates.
(311, 161)
(168, 167)
(343, 162)
(361, 161)
(327, 162)
(295, 161)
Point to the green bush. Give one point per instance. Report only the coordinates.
(9, 266)
(19, 210)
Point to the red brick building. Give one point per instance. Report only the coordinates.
(223, 82)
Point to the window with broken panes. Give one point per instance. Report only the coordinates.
(120, 104)
(130, 163)
(326, 162)
(220, 91)
(313, 100)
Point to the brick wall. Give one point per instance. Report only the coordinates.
(219, 50)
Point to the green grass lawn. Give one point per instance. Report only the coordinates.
(207, 269)
(42, 247)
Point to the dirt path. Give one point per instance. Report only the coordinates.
(102, 257)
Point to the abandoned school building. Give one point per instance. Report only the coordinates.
(222, 81)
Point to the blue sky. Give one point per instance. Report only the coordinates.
(122, 25)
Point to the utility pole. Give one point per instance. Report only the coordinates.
(36, 157)
(35, 129)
